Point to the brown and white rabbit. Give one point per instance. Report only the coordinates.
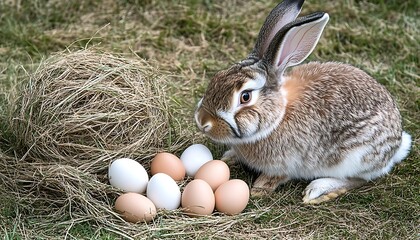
(328, 122)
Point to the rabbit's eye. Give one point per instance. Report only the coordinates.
(245, 97)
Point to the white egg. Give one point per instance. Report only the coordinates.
(163, 191)
(128, 175)
(194, 157)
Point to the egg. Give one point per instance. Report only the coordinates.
(214, 173)
(169, 164)
(128, 175)
(198, 198)
(135, 207)
(194, 157)
(232, 197)
(163, 191)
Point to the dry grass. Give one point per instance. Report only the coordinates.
(189, 41)
(91, 107)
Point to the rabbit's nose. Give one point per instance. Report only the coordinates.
(203, 119)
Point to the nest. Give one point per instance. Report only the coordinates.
(83, 107)
(76, 113)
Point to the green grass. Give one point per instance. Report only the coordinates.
(192, 40)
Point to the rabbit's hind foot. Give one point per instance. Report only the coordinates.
(326, 189)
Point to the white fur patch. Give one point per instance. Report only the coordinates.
(404, 148)
(256, 83)
(229, 117)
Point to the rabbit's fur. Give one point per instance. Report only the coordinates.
(330, 121)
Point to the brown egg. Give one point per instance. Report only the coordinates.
(232, 197)
(135, 207)
(169, 164)
(198, 198)
(214, 173)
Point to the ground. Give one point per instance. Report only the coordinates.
(190, 40)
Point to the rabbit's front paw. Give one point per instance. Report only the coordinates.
(258, 192)
(229, 156)
(267, 184)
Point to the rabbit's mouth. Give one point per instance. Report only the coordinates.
(219, 127)
(229, 128)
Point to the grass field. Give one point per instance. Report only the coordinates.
(190, 40)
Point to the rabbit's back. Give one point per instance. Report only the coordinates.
(336, 86)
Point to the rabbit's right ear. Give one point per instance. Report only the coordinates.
(284, 13)
(295, 41)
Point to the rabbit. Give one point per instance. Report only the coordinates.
(330, 123)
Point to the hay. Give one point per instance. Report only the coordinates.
(76, 113)
(84, 107)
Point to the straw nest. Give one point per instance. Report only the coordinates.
(84, 107)
(76, 113)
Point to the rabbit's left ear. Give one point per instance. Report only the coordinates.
(284, 13)
(295, 41)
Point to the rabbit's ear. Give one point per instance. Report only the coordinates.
(293, 43)
(284, 13)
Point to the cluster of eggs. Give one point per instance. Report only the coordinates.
(210, 189)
